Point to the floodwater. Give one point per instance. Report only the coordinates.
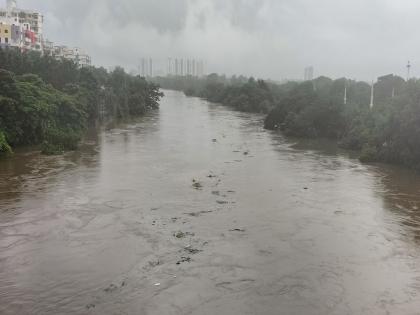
(271, 227)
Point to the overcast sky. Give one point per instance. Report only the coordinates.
(264, 38)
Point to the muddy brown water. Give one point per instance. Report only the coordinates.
(271, 227)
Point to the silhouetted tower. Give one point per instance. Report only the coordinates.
(169, 66)
(408, 70)
(345, 94)
(150, 67)
(143, 67)
(182, 67)
(372, 91)
(309, 73)
(176, 67)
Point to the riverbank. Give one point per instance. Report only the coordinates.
(51, 102)
(387, 132)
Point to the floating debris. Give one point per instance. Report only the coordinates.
(197, 214)
(90, 306)
(154, 263)
(183, 260)
(237, 230)
(181, 234)
(111, 288)
(197, 184)
(192, 250)
(222, 202)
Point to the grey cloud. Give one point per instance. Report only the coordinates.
(265, 38)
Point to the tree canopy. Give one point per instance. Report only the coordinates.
(388, 132)
(49, 101)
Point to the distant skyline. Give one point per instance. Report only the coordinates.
(273, 39)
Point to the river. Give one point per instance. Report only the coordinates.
(195, 209)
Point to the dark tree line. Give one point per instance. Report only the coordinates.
(52, 102)
(388, 132)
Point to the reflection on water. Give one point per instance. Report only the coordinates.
(277, 226)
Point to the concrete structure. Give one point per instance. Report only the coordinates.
(48, 47)
(146, 67)
(185, 67)
(27, 27)
(345, 95)
(309, 74)
(23, 30)
(408, 70)
(73, 54)
(5, 34)
(151, 67)
(372, 95)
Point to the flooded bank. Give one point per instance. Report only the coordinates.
(196, 209)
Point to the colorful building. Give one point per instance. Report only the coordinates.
(5, 34)
(23, 29)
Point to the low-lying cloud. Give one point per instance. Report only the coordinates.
(265, 38)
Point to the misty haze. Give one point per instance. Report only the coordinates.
(207, 157)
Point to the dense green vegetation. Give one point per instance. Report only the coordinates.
(238, 92)
(51, 102)
(388, 132)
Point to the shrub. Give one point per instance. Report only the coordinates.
(5, 148)
(57, 141)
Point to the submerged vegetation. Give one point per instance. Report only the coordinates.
(52, 102)
(387, 132)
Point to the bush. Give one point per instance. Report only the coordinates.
(57, 141)
(5, 148)
(51, 149)
(369, 154)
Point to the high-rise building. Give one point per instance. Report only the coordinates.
(143, 67)
(169, 67)
(176, 67)
(150, 67)
(309, 73)
(185, 67)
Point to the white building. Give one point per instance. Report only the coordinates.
(74, 54)
(309, 73)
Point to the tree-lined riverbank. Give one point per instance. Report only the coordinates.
(388, 132)
(52, 102)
